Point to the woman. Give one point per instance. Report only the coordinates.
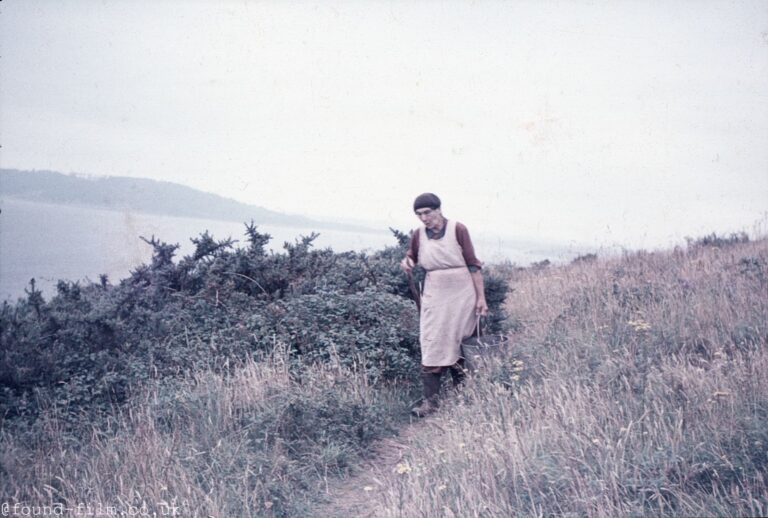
(453, 298)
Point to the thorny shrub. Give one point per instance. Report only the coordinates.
(85, 349)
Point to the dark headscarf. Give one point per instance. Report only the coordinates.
(426, 200)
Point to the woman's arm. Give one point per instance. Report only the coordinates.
(481, 306)
(474, 264)
(412, 254)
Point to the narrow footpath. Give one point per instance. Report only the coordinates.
(352, 497)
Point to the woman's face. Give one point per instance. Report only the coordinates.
(432, 218)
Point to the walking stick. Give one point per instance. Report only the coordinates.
(414, 291)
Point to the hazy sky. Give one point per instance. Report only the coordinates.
(631, 122)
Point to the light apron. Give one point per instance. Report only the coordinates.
(448, 301)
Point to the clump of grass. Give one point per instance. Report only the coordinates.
(634, 386)
(262, 441)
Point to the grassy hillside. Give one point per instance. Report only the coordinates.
(236, 378)
(634, 386)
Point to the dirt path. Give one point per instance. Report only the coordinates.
(351, 497)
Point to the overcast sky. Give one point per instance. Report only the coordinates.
(629, 122)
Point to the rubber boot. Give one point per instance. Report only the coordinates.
(430, 402)
(458, 373)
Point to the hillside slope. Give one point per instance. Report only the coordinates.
(143, 195)
(634, 387)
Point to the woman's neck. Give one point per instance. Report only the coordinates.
(439, 226)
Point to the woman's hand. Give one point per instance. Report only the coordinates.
(481, 307)
(407, 264)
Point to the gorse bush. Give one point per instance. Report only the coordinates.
(90, 344)
(714, 240)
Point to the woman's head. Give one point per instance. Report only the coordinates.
(427, 209)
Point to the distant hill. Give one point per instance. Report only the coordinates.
(146, 196)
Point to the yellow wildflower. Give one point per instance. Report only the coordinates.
(403, 468)
(639, 325)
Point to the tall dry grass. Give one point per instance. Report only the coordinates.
(634, 386)
(261, 442)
